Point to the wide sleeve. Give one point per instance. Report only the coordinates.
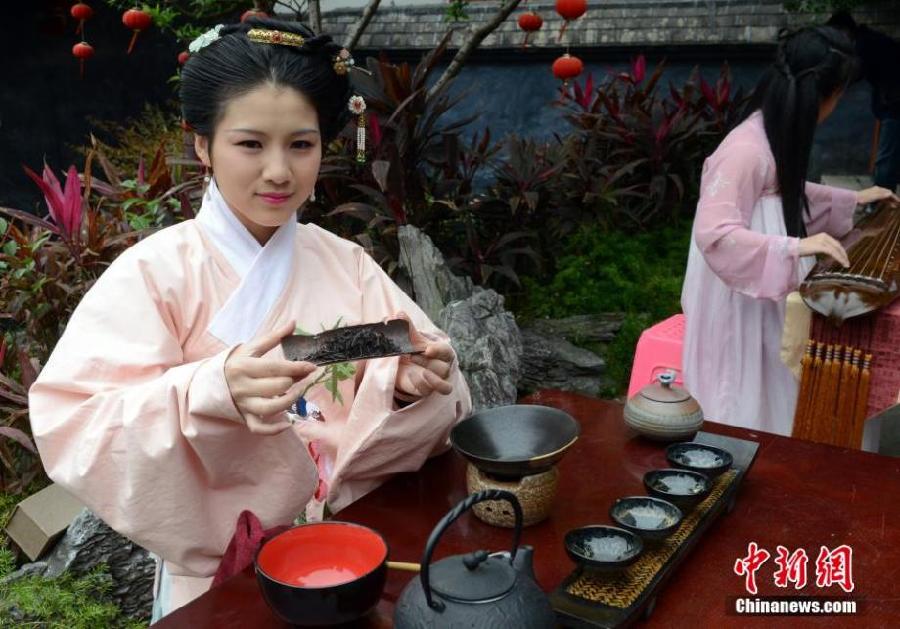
(380, 439)
(749, 262)
(830, 209)
(152, 444)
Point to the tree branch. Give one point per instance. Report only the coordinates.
(360, 26)
(469, 47)
(315, 16)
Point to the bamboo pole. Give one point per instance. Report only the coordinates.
(810, 419)
(862, 401)
(846, 399)
(803, 395)
(821, 424)
(830, 420)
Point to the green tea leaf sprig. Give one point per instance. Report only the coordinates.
(332, 375)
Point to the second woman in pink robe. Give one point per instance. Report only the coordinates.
(741, 267)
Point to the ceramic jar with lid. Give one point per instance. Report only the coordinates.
(664, 412)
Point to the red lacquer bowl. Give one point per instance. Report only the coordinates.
(325, 573)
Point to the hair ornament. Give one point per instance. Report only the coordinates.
(343, 62)
(357, 106)
(205, 39)
(268, 36)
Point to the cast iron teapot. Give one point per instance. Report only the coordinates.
(478, 589)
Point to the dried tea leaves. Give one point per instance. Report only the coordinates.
(348, 342)
(355, 342)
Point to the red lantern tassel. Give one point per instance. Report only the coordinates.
(562, 30)
(131, 45)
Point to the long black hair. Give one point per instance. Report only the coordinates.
(811, 65)
(233, 65)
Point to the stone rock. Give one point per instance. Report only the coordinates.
(89, 542)
(488, 344)
(483, 333)
(551, 362)
(433, 284)
(592, 328)
(27, 570)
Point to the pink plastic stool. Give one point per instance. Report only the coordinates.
(658, 350)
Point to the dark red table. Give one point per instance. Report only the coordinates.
(798, 494)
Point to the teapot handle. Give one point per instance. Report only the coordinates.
(447, 520)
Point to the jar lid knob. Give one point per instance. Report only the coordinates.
(666, 378)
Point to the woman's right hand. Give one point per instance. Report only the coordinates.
(823, 243)
(263, 388)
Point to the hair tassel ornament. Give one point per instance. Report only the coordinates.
(357, 106)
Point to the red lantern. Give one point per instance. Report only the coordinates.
(567, 67)
(183, 56)
(253, 13)
(81, 12)
(530, 22)
(82, 50)
(570, 10)
(138, 21)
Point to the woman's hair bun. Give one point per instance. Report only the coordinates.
(233, 65)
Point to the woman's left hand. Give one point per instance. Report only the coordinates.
(420, 375)
(873, 194)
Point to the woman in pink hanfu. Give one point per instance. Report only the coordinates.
(757, 229)
(164, 407)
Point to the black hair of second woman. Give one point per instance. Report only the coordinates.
(233, 65)
(811, 65)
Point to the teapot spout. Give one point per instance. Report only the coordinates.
(524, 561)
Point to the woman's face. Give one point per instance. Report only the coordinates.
(265, 156)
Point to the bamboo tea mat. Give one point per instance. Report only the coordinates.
(622, 589)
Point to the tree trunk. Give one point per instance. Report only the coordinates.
(360, 27)
(474, 41)
(315, 16)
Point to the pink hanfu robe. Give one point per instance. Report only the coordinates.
(741, 267)
(133, 415)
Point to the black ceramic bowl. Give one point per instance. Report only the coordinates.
(324, 573)
(601, 547)
(683, 488)
(513, 441)
(699, 457)
(651, 518)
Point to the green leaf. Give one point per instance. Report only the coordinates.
(128, 203)
(10, 248)
(4, 224)
(332, 385)
(40, 241)
(343, 371)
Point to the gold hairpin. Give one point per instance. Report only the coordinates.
(266, 36)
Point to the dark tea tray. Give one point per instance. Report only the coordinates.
(352, 342)
(594, 599)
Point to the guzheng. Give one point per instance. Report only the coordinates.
(873, 278)
(840, 353)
